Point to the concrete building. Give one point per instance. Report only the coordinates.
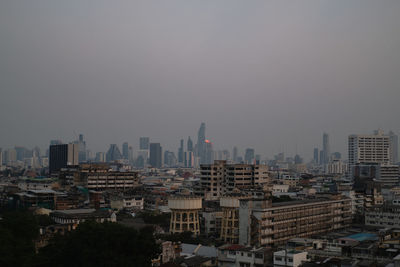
(212, 222)
(394, 141)
(387, 216)
(262, 223)
(375, 148)
(61, 156)
(336, 166)
(76, 216)
(185, 214)
(220, 178)
(133, 203)
(98, 176)
(388, 175)
(291, 258)
(230, 219)
(238, 256)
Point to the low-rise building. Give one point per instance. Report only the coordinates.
(238, 256)
(387, 216)
(77, 216)
(291, 258)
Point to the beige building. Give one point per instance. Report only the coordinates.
(98, 176)
(185, 214)
(262, 223)
(220, 178)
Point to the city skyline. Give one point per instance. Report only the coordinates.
(267, 75)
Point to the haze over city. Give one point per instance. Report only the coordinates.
(270, 75)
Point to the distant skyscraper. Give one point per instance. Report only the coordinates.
(155, 155)
(144, 143)
(249, 156)
(62, 156)
(21, 151)
(337, 155)
(82, 148)
(180, 152)
(55, 142)
(169, 158)
(100, 157)
(1, 157)
(125, 150)
(316, 155)
(189, 144)
(130, 154)
(113, 153)
(326, 148)
(235, 154)
(201, 144)
(298, 159)
(321, 157)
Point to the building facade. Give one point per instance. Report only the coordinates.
(220, 178)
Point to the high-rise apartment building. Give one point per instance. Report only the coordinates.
(155, 155)
(374, 148)
(62, 156)
(144, 143)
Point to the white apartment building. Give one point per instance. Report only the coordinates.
(375, 148)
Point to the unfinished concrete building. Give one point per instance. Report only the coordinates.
(220, 178)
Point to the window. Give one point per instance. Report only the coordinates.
(278, 258)
(258, 255)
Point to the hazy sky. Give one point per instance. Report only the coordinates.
(273, 75)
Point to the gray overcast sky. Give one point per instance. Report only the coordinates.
(273, 75)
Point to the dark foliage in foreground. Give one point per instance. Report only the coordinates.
(100, 244)
(91, 244)
(18, 229)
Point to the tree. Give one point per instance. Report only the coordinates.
(100, 244)
(18, 230)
